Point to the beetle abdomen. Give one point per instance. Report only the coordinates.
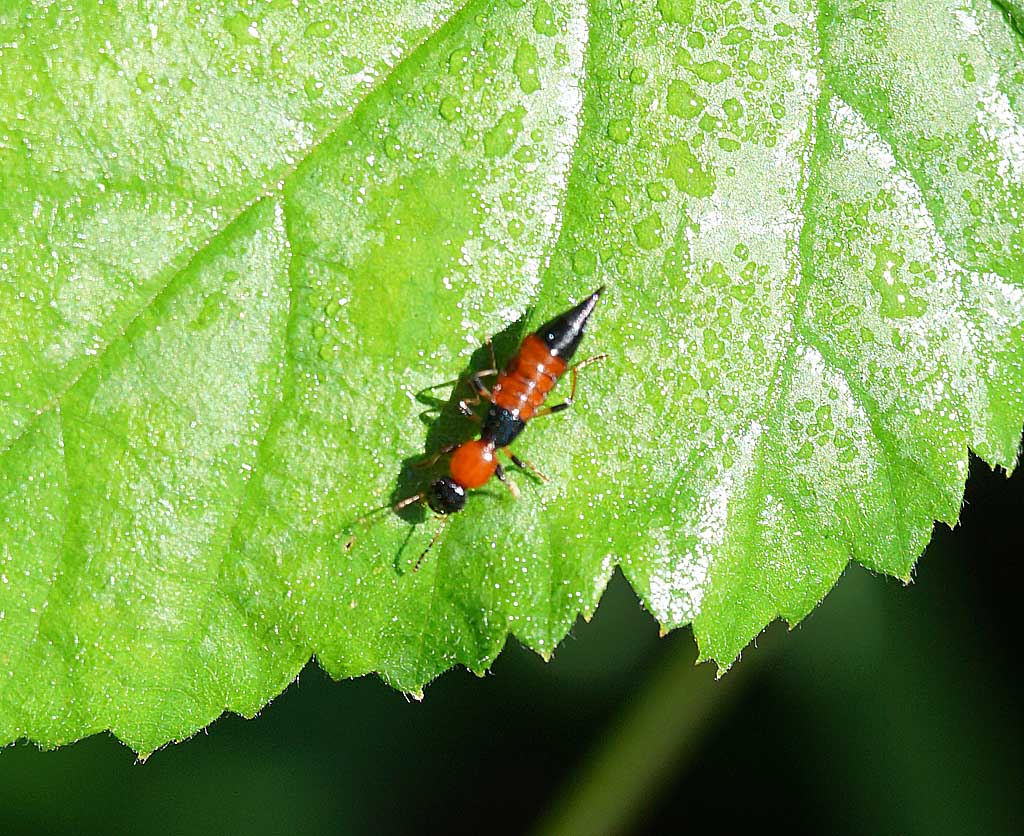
(527, 379)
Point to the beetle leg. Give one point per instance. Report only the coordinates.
(482, 392)
(523, 464)
(500, 473)
(573, 371)
(431, 460)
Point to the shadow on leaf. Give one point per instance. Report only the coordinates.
(447, 426)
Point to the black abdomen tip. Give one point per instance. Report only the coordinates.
(562, 334)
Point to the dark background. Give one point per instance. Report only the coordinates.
(890, 710)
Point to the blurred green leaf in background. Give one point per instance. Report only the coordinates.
(238, 241)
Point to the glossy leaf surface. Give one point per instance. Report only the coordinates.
(238, 245)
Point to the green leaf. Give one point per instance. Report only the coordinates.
(237, 245)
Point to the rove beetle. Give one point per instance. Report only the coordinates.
(517, 396)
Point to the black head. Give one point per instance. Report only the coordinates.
(446, 496)
(562, 334)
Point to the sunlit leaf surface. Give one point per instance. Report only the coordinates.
(237, 245)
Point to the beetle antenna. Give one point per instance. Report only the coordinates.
(366, 518)
(409, 500)
(433, 541)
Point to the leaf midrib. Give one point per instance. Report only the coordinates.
(171, 286)
(232, 216)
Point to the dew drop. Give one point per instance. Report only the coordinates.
(619, 197)
(314, 87)
(525, 67)
(676, 11)
(687, 383)
(714, 348)
(525, 154)
(242, 28)
(657, 192)
(458, 60)
(712, 72)
(544, 19)
(498, 140)
(620, 130)
(351, 65)
(737, 35)
(733, 110)
(648, 231)
(967, 68)
(450, 109)
(319, 29)
(683, 101)
(685, 170)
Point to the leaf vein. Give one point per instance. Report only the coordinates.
(234, 213)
